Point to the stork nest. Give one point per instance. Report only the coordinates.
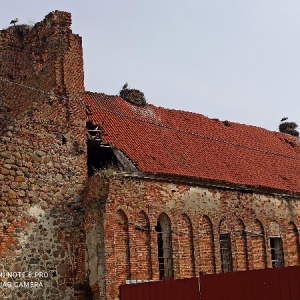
(20, 29)
(133, 96)
(289, 128)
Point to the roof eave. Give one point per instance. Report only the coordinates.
(208, 183)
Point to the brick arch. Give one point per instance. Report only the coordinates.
(164, 246)
(141, 251)
(142, 219)
(186, 247)
(274, 229)
(122, 252)
(292, 227)
(257, 227)
(239, 238)
(292, 242)
(206, 245)
(224, 226)
(258, 245)
(165, 220)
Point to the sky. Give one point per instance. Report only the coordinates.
(236, 60)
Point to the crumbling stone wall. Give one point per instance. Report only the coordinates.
(198, 215)
(42, 157)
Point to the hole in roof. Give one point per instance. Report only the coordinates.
(226, 123)
(291, 143)
(283, 177)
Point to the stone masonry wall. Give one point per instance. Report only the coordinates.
(197, 216)
(42, 158)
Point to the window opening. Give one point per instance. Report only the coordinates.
(99, 155)
(226, 256)
(164, 252)
(276, 252)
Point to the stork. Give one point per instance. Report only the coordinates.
(14, 21)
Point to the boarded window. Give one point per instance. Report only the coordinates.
(276, 252)
(225, 250)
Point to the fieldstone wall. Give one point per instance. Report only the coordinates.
(42, 160)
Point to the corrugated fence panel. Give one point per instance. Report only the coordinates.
(289, 283)
(267, 284)
(294, 283)
(135, 291)
(181, 289)
(275, 284)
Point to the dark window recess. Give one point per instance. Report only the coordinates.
(225, 250)
(276, 252)
(100, 158)
(160, 251)
(164, 253)
(1, 103)
(89, 125)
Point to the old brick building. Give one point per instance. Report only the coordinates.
(97, 190)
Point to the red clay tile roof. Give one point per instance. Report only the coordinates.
(173, 142)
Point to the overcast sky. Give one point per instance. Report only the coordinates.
(236, 60)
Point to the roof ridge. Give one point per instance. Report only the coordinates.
(185, 112)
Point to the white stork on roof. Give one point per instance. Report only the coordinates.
(14, 21)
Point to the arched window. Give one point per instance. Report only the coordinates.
(206, 245)
(259, 256)
(141, 248)
(225, 247)
(164, 247)
(240, 242)
(122, 253)
(186, 247)
(276, 247)
(292, 240)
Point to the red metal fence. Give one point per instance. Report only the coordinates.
(267, 284)
(161, 290)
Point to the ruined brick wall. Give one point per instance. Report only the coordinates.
(42, 157)
(198, 215)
